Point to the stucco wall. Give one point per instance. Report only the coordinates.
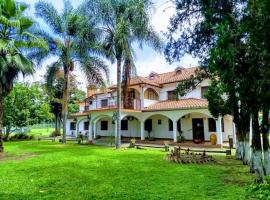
(159, 130)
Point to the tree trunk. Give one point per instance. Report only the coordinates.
(265, 135)
(56, 128)
(242, 147)
(1, 121)
(256, 164)
(243, 150)
(118, 119)
(65, 101)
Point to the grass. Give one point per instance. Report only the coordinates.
(46, 170)
(41, 131)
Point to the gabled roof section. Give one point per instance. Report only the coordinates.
(175, 76)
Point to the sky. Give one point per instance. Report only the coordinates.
(146, 61)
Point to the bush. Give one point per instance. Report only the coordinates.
(111, 140)
(55, 134)
(132, 143)
(21, 136)
(260, 191)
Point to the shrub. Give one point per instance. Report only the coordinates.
(260, 191)
(111, 140)
(132, 143)
(21, 136)
(55, 134)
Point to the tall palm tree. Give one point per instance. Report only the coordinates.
(124, 22)
(73, 40)
(16, 40)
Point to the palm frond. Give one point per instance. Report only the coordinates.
(51, 74)
(94, 69)
(50, 15)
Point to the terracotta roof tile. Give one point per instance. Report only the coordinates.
(172, 76)
(178, 104)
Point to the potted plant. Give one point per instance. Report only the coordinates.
(197, 138)
(180, 137)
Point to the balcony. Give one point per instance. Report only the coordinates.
(110, 103)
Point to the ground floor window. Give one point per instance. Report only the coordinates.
(73, 126)
(148, 125)
(179, 126)
(104, 125)
(124, 125)
(86, 125)
(212, 125)
(170, 124)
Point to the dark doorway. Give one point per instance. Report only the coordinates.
(198, 130)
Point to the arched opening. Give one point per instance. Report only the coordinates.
(151, 94)
(158, 126)
(197, 126)
(130, 127)
(103, 127)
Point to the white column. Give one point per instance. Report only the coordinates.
(142, 130)
(142, 97)
(206, 129)
(234, 134)
(115, 129)
(250, 131)
(219, 131)
(90, 133)
(174, 130)
(95, 129)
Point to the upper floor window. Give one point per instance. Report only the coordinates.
(104, 103)
(171, 95)
(150, 94)
(203, 91)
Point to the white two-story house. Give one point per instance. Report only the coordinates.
(152, 105)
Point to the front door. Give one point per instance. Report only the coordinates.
(198, 130)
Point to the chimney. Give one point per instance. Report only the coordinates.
(91, 89)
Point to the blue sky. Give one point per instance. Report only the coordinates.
(147, 60)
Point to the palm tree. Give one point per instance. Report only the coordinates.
(124, 22)
(73, 40)
(16, 40)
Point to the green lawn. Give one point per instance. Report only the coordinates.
(46, 170)
(41, 131)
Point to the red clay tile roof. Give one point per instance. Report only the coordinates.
(160, 79)
(178, 104)
(171, 77)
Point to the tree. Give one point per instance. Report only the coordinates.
(231, 48)
(25, 105)
(55, 89)
(123, 23)
(74, 41)
(259, 51)
(16, 40)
